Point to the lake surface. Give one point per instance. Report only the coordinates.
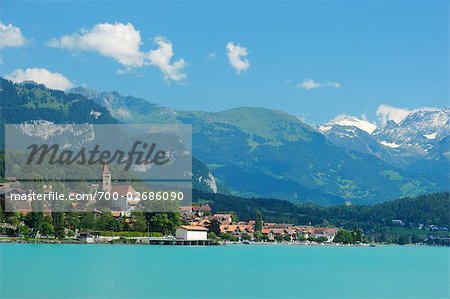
(238, 271)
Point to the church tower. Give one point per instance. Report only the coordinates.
(106, 179)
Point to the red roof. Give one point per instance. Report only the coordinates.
(203, 208)
(122, 190)
(186, 209)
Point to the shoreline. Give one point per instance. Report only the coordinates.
(251, 244)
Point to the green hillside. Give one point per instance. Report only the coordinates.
(27, 102)
(262, 152)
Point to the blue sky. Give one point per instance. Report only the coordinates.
(356, 55)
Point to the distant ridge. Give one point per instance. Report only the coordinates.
(263, 152)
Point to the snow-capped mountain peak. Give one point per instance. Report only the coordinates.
(420, 130)
(416, 135)
(349, 121)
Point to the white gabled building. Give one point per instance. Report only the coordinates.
(125, 194)
(191, 233)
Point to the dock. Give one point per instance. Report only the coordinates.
(174, 241)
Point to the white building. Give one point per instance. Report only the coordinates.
(123, 194)
(191, 233)
(325, 232)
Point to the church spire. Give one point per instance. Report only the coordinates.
(106, 179)
(105, 169)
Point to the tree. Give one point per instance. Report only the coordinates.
(34, 221)
(2, 212)
(13, 220)
(106, 222)
(24, 231)
(72, 220)
(287, 238)
(344, 236)
(214, 226)
(212, 236)
(321, 239)
(139, 222)
(47, 227)
(357, 234)
(258, 235)
(234, 238)
(140, 225)
(415, 239)
(160, 222)
(226, 236)
(164, 222)
(403, 240)
(59, 224)
(174, 221)
(383, 237)
(258, 222)
(245, 236)
(87, 220)
(279, 238)
(301, 238)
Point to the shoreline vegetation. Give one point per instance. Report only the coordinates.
(227, 219)
(131, 241)
(128, 241)
(216, 218)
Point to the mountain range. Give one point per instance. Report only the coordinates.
(252, 151)
(263, 152)
(416, 135)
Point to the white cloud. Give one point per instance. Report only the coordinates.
(11, 36)
(341, 117)
(364, 117)
(41, 76)
(161, 58)
(387, 112)
(237, 56)
(311, 84)
(118, 41)
(122, 43)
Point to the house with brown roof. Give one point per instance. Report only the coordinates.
(204, 222)
(238, 230)
(278, 225)
(190, 213)
(18, 200)
(272, 232)
(304, 231)
(186, 209)
(324, 232)
(21, 206)
(203, 208)
(222, 218)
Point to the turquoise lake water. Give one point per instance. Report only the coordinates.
(239, 271)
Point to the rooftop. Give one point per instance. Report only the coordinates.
(193, 227)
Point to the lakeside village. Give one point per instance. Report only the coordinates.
(123, 222)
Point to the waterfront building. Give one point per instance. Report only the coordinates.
(191, 233)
